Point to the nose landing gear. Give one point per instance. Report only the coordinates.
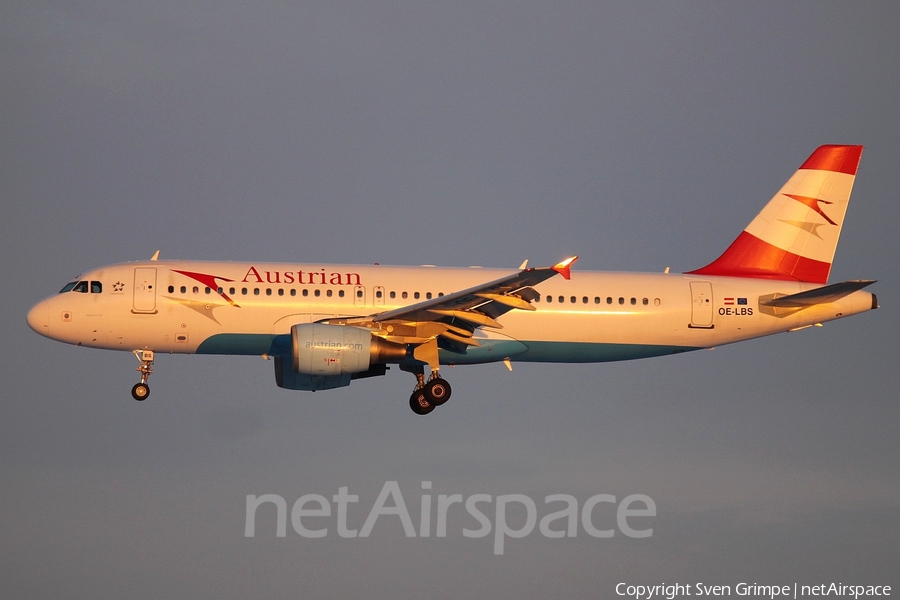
(141, 391)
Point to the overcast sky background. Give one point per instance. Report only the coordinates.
(636, 135)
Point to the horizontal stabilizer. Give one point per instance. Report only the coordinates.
(822, 295)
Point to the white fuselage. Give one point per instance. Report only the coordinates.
(249, 308)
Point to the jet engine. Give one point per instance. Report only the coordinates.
(328, 356)
(320, 349)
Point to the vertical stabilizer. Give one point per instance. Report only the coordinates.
(796, 234)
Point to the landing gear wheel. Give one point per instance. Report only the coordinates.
(419, 403)
(437, 391)
(140, 391)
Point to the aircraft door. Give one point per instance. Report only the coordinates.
(701, 305)
(144, 290)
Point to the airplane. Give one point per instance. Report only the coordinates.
(327, 325)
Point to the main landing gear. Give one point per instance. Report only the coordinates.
(141, 390)
(427, 396)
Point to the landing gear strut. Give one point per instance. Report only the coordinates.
(141, 390)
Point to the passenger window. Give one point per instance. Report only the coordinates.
(256, 291)
(196, 290)
(305, 293)
(584, 300)
(645, 301)
(609, 299)
(243, 291)
(329, 293)
(341, 293)
(268, 291)
(621, 300)
(549, 298)
(378, 294)
(416, 295)
(573, 300)
(281, 291)
(230, 291)
(428, 295)
(633, 301)
(183, 289)
(317, 293)
(562, 299)
(404, 295)
(596, 299)
(393, 295)
(359, 293)
(293, 292)
(171, 289)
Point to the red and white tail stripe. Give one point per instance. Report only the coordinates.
(796, 234)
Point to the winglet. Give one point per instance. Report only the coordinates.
(564, 268)
(155, 256)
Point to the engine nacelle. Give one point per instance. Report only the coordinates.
(320, 349)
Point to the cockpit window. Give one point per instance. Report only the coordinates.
(96, 287)
(81, 287)
(68, 287)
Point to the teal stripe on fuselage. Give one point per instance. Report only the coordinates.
(552, 352)
(588, 352)
(246, 343)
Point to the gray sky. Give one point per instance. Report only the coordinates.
(637, 135)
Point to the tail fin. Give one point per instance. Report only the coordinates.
(795, 235)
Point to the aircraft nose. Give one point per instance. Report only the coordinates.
(39, 318)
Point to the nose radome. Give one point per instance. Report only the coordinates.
(39, 318)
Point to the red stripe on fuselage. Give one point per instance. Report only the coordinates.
(749, 256)
(840, 159)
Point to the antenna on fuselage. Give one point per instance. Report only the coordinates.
(155, 256)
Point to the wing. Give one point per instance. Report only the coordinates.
(454, 317)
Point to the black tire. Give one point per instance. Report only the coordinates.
(140, 392)
(419, 403)
(437, 391)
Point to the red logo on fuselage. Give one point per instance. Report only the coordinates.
(210, 282)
